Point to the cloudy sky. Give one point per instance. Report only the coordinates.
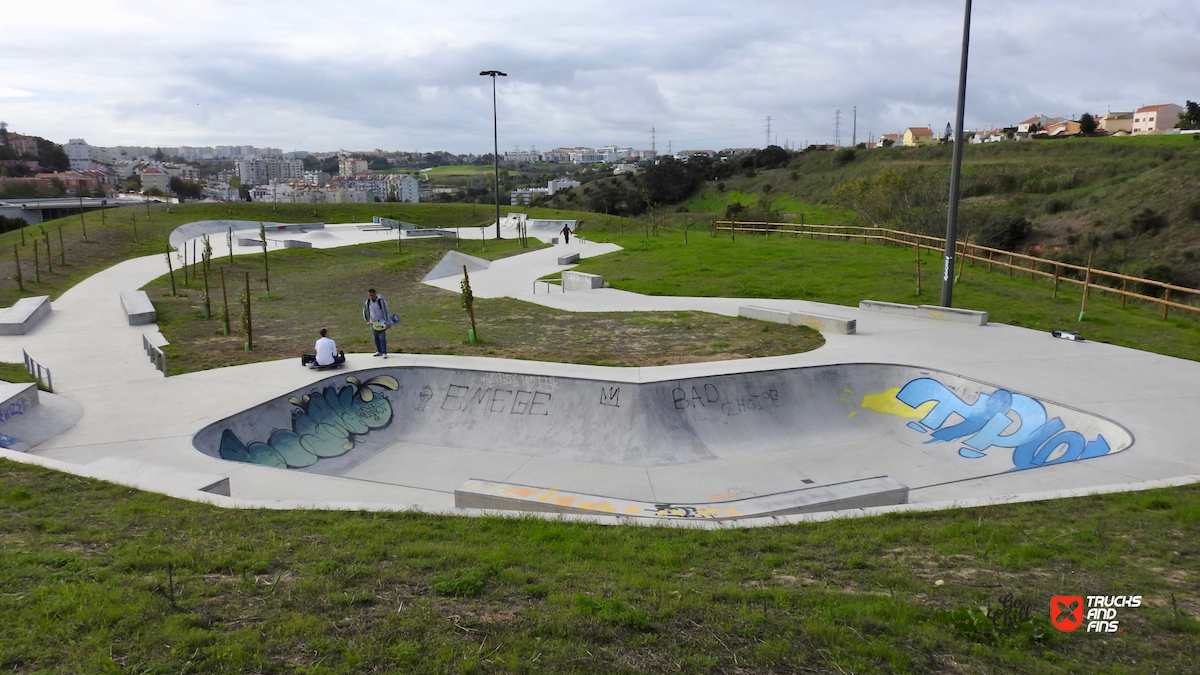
(403, 75)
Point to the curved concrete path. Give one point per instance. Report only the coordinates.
(137, 426)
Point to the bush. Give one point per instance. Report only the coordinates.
(844, 156)
(1192, 210)
(1057, 206)
(1002, 230)
(1148, 222)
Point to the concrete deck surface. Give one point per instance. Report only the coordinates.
(131, 412)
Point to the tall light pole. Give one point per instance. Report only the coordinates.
(956, 166)
(495, 141)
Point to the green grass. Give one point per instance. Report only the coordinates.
(844, 273)
(100, 578)
(16, 372)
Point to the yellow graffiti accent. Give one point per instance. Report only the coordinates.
(547, 496)
(843, 399)
(564, 500)
(723, 495)
(852, 414)
(732, 512)
(848, 391)
(633, 509)
(522, 491)
(707, 512)
(888, 404)
(604, 506)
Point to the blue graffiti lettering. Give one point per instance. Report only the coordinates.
(1035, 440)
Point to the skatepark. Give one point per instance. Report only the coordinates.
(911, 410)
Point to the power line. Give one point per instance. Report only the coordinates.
(768, 131)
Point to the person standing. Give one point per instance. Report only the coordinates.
(375, 313)
(566, 233)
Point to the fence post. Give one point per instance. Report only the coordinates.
(1166, 298)
(1124, 287)
(1010, 265)
(1056, 281)
(1087, 279)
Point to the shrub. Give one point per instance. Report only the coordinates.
(1147, 222)
(720, 187)
(1192, 210)
(843, 156)
(1057, 206)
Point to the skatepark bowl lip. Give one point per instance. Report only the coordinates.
(354, 424)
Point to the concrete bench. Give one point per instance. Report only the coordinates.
(581, 281)
(138, 308)
(934, 312)
(159, 474)
(296, 243)
(24, 315)
(819, 322)
(569, 259)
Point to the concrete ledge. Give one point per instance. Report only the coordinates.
(824, 323)
(951, 314)
(138, 308)
(568, 259)
(164, 475)
(819, 322)
(24, 315)
(431, 232)
(296, 243)
(765, 314)
(16, 400)
(249, 242)
(856, 494)
(581, 281)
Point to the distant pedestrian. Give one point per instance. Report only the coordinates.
(566, 233)
(375, 314)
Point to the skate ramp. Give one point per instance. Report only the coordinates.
(850, 421)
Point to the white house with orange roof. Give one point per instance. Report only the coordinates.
(1153, 118)
(896, 140)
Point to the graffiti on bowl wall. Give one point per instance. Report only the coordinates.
(987, 423)
(324, 424)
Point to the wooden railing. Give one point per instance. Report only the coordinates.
(1060, 272)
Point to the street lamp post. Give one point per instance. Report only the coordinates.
(956, 166)
(495, 141)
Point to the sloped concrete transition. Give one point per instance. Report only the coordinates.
(833, 437)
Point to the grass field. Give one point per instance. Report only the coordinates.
(98, 578)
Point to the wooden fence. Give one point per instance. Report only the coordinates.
(1061, 272)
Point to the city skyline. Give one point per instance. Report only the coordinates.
(404, 77)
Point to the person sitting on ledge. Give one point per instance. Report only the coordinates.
(327, 353)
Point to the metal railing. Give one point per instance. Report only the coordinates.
(157, 357)
(549, 284)
(39, 372)
(1060, 272)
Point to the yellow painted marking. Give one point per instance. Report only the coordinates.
(633, 509)
(848, 391)
(888, 404)
(564, 500)
(547, 496)
(843, 399)
(522, 491)
(732, 512)
(723, 495)
(707, 512)
(852, 414)
(604, 506)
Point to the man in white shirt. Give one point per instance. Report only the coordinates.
(327, 351)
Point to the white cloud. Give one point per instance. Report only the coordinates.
(402, 75)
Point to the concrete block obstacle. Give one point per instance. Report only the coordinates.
(249, 242)
(581, 281)
(296, 243)
(165, 475)
(854, 494)
(16, 401)
(24, 315)
(431, 232)
(452, 263)
(138, 308)
(819, 322)
(569, 259)
(952, 314)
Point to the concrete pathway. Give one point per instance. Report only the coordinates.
(133, 414)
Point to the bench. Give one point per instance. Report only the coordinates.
(819, 322)
(138, 308)
(581, 281)
(569, 259)
(24, 315)
(952, 314)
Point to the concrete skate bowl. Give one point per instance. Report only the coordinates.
(729, 446)
(199, 228)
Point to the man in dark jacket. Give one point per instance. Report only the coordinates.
(375, 313)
